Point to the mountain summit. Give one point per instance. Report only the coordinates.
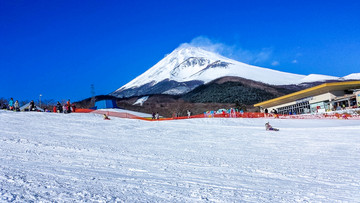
(188, 67)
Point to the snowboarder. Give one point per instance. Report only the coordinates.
(269, 127)
(106, 117)
(157, 116)
(188, 113)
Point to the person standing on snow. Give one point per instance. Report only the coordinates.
(11, 104)
(59, 107)
(68, 106)
(64, 108)
(32, 106)
(16, 106)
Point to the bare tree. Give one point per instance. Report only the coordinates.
(23, 102)
(48, 103)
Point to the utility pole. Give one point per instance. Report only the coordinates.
(40, 100)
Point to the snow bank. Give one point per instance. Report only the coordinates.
(141, 100)
(81, 157)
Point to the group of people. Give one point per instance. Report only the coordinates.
(155, 116)
(66, 108)
(273, 111)
(15, 106)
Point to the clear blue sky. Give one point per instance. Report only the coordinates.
(59, 48)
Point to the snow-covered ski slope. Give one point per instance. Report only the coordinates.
(81, 157)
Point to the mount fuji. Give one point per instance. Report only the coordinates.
(188, 67)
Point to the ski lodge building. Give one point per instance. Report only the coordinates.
(319, 99)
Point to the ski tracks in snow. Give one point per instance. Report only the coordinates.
(80, 157)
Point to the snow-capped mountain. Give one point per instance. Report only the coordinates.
(353, 76)
(317, 77)
(188, 67)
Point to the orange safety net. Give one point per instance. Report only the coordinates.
(226, 115)
(118, 114)
(84, 110)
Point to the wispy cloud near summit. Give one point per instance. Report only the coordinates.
(232, 51)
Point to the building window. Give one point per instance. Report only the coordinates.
(299, 108)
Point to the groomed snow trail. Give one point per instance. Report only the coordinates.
(81, 157)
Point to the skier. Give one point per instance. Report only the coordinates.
(188, 113)
(157, 116)
(269, 127)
